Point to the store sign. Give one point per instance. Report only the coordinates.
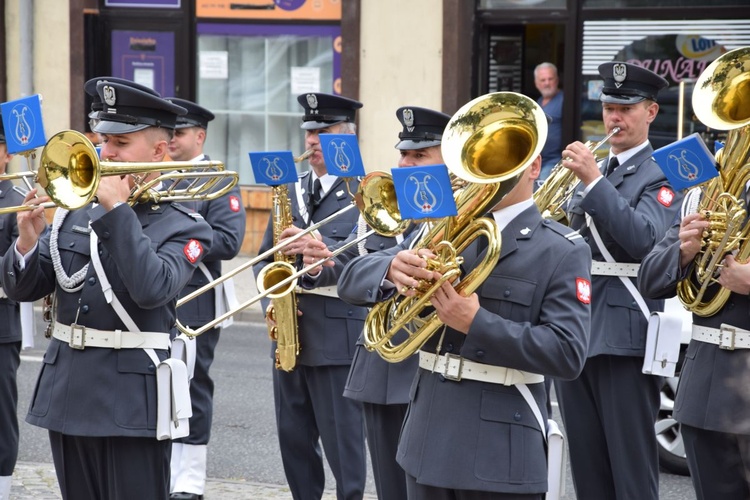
(319, 10)
(162, 4)
(674, 57)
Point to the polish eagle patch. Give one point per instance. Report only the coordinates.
(583, 290)
(234, 204)
(665, 196)
(193, 251)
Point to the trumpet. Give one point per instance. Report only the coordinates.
(70, 172)
(557, 189)
(376, 199)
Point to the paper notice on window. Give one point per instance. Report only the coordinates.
(214, 65)
(144, 76)
(305, 80)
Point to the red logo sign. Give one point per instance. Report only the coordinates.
(234, 204)
(193, 251)
(665, 196)
(583, 290)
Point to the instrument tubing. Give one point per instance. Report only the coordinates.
(456, 368)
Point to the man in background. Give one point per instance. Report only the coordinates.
(551, 100)
(226, 216)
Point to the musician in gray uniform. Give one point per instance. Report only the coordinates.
(712, 398)
(622, 212)
(226, 216)
(116, 271)
(470, 433)
(10, 334)
(310, 406)
(383, 387)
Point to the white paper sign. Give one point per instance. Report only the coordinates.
(305, 80)
(214, 65)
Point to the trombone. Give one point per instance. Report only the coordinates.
(70, 172)
(376, 199)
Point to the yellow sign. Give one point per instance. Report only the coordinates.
(277, 10)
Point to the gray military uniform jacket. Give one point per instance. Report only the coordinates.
(632, 209)
(226, 216)
(713, 393)
(10, 318)
(371, 378)
(534, 317)
(328, 327)
(102, 391)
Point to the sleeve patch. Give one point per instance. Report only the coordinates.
(193, 251)
(665, 196)
(234, 204)
(583, 290)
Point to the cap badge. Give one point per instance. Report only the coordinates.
(619, 73)
(312, 102)
(408, 115)
(109, 95)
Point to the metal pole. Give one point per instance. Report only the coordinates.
(26, 25)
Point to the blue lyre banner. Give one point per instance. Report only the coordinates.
(273, 167)
(424, 192)
(687, 162)
(341, 154)
(22, 120)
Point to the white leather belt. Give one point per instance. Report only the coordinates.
(456, 368)
(628, 270)
(80, 337)
(326, 291)
(727, 337)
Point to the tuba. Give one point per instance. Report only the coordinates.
(721, 100)
(488, 143)
(558, 188)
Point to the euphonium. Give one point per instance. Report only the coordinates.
(489, 143)
(720, 101)
(283, 310)
(555, 193)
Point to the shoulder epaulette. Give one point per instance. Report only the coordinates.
(302, 175)
(564, 231)
(187, 211)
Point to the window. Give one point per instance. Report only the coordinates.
(250, 76)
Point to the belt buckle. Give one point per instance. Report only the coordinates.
(726, 338)
(77, 337)
(453, 367)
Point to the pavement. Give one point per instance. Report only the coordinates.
(37, 481)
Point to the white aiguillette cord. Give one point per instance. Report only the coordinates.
(608, 257)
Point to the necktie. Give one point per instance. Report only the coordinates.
(317, 192)
(612, 165)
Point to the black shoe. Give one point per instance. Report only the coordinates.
(185, 496)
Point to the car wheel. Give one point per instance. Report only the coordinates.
(668, 436)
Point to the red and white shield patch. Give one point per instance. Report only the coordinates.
(665, 196)
(193, 251)
(234, 204)
(583, 290)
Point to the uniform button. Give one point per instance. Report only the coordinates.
(92, 280)
(449, 347)
(10, 273)
(480, 354)
(731, 305)
(546, 222)
(382, 246)
(441, 378)
(105, 235)
(150, 368)
(101, 252)
(633, 304)
(506, 293)
(334, 231)
(517, 416)
(84, 309)
(585, 238)
(369, 293)
(349, 312)
(593, 212)
(72, 244)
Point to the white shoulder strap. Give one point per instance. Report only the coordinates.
(608, 257)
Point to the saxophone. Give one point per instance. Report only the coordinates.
(283, 310)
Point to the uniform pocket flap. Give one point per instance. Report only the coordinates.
(340, 309)
(508, 289)
(508, 408)
(135, 361)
